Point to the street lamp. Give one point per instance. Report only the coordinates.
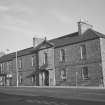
(17, 74)
(76, 79)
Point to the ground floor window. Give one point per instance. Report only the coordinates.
(85, 73)
(1, 80)
(20, 79)
(63, 74)
(33, 79)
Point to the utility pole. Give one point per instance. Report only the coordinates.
(76, 79)
(17, 82)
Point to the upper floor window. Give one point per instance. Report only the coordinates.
(32, 61)
(83, 51)
(85, 73)
(63, 74)
(7, 66)
(45, 60)
(20, 63)
(1, 68)
(62, 55)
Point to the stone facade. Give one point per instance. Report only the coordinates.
(71, 60)
(74, 64)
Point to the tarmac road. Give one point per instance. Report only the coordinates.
(6, 99)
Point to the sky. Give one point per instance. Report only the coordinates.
(21, 20)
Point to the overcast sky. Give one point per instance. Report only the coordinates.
(20, 20)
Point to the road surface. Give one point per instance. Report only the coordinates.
(6, 99)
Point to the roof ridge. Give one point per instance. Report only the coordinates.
(64, 36)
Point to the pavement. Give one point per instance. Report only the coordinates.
(93, 94)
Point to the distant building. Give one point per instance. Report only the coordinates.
(75, 59)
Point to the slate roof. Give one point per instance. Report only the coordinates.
(58, 42)
(75, 38)
(11, 56)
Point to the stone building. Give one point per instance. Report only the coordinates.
(75, 59)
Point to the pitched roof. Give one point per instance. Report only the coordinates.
(76, 38)
(10, 56)
(58, 42)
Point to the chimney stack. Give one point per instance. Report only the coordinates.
(34, 42)
(82, 27)
(37, 41)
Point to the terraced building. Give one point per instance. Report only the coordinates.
(76, 59)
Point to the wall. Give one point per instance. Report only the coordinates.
(26, 70)
(50, 67)
(102, 45)
(73, 64)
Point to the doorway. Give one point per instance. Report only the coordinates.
(44, 78)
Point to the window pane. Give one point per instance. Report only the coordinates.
(45, 60)
(62, 55)
(32, 60)
(20, 63)
(85, 72)
(63, 74)
(83, 51)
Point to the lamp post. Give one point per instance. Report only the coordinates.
(17, 82)
(76, 79)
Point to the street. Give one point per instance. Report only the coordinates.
(6, 99)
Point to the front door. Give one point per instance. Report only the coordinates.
(44, 78)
